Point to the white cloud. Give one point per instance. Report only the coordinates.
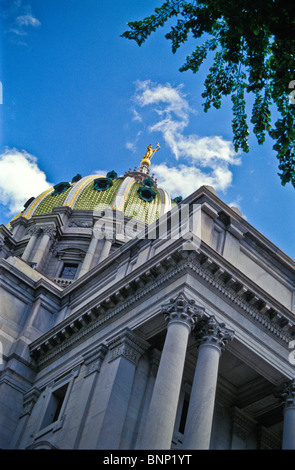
(237, 203)
(18, 17)
(28, 20)
(183, 180)
(131, 146)
(199, 160)
(136, 116)
(99, 172)
(20, 179)
(171, 99)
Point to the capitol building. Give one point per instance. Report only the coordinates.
(131, 320)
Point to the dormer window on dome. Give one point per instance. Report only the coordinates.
(148, 182)
(177, 199)
(76, 178)
(146, 194)
(112, 175)
(102, 184)
(60, 188)
(26, 204)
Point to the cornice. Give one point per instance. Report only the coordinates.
(205, 195)
(240, 289)
(210, 268)
(37, 281)
(6, 236)
(219, 211)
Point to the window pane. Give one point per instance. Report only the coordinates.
(69, 271)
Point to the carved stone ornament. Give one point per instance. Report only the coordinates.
(267, 440)
(288, 394)
(127, 344)
(213, 332)
(81, 223)
(30, 399)
(49, 230)
(93, 359)
(34, 231)
(182, 309)
(242, 424)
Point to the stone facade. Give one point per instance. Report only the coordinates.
(145, 342)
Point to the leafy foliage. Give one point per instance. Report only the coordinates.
(253, 42)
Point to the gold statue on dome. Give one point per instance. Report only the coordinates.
(149, 153)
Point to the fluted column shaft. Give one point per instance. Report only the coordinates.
(212, 339)
(289, 417)
(181, 316)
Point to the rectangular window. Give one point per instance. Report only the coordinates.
(69, 271)
(54, 406)
(54, 401)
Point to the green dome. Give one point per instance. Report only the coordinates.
(135, 194)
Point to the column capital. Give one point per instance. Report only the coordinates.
(127, 344)
(288, 394)
(94, 358)
(30, 399)
(210, 331)
(34, 230)
(183, 310)
(49, 230)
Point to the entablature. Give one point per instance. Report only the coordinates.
(117, 298)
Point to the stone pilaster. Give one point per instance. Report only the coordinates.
(125, 349)
(242, 426)
(30, 399)
(154, 360)
(212, 338)
(128, 345)
(94, 358)
(267, 440)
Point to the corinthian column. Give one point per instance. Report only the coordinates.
(106, 246)
(33, 232)
(181, 315)
(89, 256)
(212, 339)
(48, 233)
(289, 416)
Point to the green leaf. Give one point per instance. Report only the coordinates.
(254, 54)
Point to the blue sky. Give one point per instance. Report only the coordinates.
(78, 98)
